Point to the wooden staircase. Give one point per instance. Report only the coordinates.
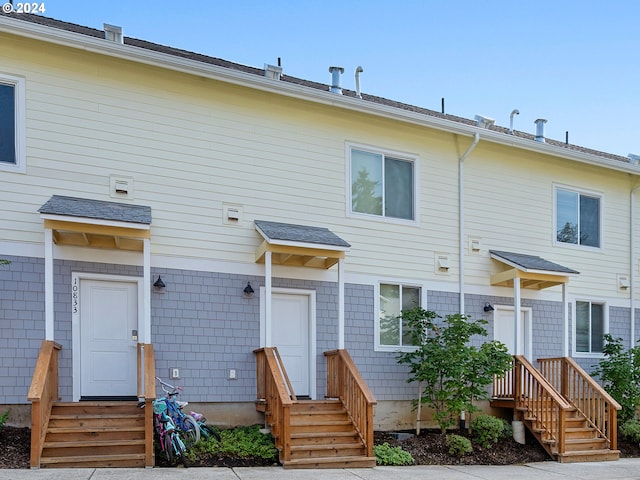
(568, 413)
(332, 433)
(323, 436)
(90, 434)
(94, 434)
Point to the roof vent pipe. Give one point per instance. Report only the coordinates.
(359, 70)
(540, 129)
(335, 79)
(515, 111)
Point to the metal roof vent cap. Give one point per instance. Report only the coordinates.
(335, 79)
(113, 33)
(634, 159)
(540, 129)
(484, 122)
(272, 72)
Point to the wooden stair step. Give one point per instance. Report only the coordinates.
(95, 443)
(604, 455)
(332, 462)
(96, 428)
(332, 446)
(119, 460)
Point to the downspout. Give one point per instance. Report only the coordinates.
(632, 276)
(476, 139)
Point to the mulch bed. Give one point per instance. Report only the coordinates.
(427, 449)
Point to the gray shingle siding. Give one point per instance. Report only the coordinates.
(204, 326)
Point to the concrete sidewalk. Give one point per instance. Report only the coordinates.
(624, 469)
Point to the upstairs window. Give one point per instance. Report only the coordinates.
(12, 141)
(578, 218)
(590, 327)
(382, 184)
(392, 330)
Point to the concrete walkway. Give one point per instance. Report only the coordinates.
(624, 469)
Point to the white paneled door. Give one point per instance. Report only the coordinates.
(108, 338)
(290, 333)
(504, 330)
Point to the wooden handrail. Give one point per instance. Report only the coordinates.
(540, 402)
(147, 391)
(585, 394)
(285, 375)
(271, 389)
(42, 393)
(345, 382)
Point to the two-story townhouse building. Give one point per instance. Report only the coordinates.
(152, 195)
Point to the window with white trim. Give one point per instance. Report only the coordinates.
(590, 327)
(12, 131)
(578, 218)
(382, 184)
(393, 297)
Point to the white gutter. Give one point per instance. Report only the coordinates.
(236, 77)
(476, 139)
(632, 263)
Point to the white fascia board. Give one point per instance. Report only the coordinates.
(95, 221)
(214, 72)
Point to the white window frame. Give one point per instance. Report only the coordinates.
(605, 327)
(19, 89)
(414, 159)
(579, 191)
(378, 347)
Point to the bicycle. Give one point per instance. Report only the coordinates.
(170, 442)
(186, 424)
(206, 431)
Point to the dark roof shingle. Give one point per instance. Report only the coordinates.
(300, 233)
(97, 209)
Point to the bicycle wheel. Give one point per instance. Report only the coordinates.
(179, 448)
(207, 431)
(167, 446)
(189, 430)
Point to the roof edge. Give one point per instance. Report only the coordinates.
(193, 67)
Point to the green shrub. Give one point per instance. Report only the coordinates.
(242, 441)
(3, 418)
(392, 456)
(619, 371)
(487, 430)
(630, 430)
(458, 445)
(507, 429)
(453, 372)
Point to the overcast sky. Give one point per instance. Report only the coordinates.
(575, 63)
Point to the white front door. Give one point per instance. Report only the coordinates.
(504, 330)
(290, 332)
(108, 325)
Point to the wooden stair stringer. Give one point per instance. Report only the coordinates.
(583, 443)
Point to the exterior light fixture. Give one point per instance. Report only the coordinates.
(159, 286)
(488, 308)
(248, 290)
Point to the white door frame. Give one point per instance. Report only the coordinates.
(528, 345)
(76, 277)
(265, 327)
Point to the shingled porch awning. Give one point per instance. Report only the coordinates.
(290, 245)
(299, 245)
(83, 222)
(532, 272)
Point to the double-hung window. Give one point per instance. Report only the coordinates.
(578, 218)
(392, 330)
(12, 131)
(590, 327)
(382, 184)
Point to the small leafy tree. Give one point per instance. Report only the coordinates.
(454, 373)
(619, 371)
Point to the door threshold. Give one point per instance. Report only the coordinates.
(108, 398)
